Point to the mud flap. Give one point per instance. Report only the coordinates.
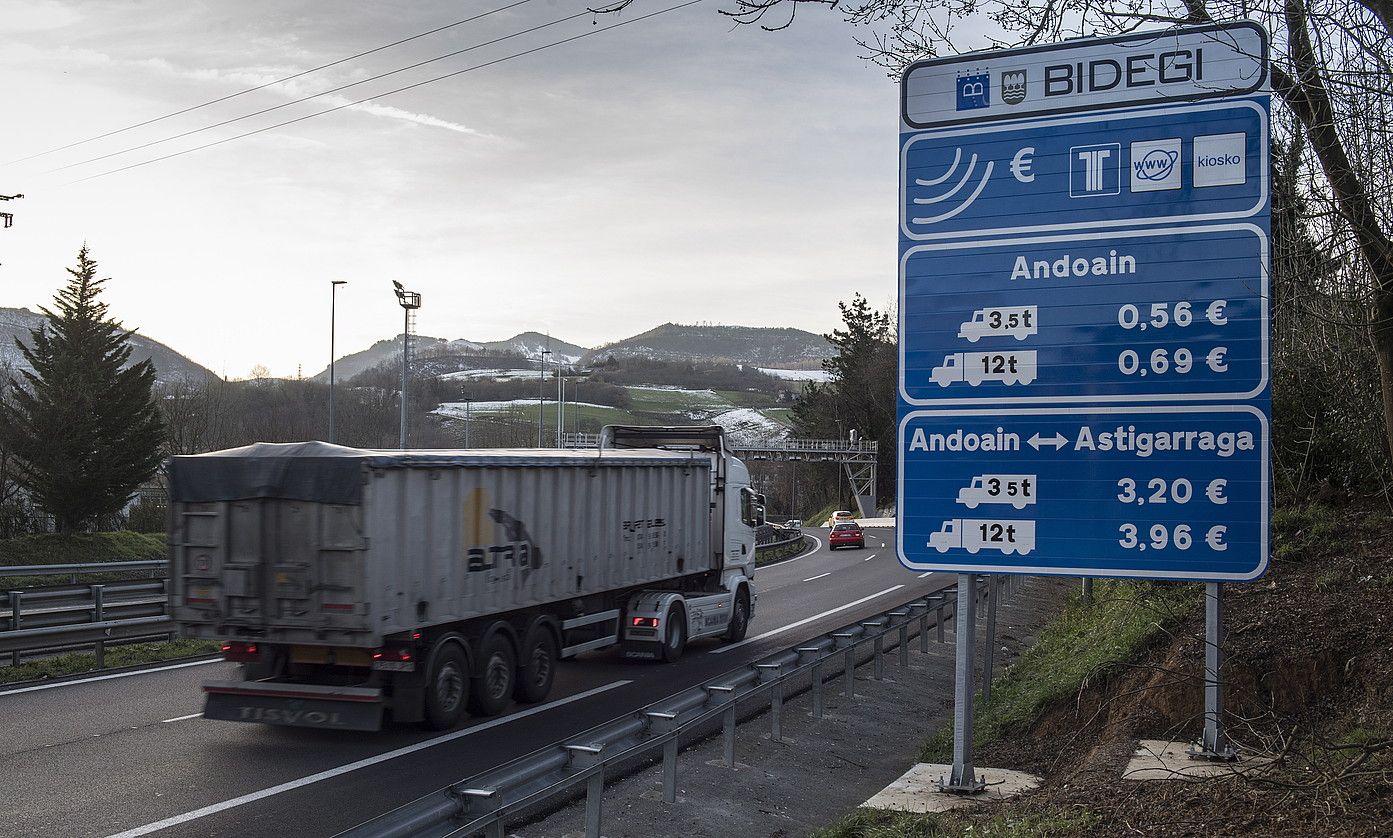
(283, 704)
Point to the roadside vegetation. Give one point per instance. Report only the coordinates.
(132, 654)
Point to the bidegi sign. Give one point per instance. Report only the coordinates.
(1202, 62)
(1084, 379)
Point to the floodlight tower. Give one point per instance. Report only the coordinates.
(7, 218)
(409, 302)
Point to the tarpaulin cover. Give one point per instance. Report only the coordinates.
(321, 472)
(308, 471)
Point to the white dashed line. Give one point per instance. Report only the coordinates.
(180, 718)
(868, 558)
(723, 649)
(819, 576)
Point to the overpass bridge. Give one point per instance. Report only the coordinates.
(858, 459)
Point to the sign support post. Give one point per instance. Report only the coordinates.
(964, 779)
(1214, 745)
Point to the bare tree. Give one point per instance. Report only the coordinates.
(1332, 73)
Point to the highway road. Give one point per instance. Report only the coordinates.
(129, 755)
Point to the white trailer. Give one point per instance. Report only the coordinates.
(353, 584)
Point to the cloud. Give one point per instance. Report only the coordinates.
(35, 15)
(302, 87)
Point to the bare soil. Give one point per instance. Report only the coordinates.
(1309, 673)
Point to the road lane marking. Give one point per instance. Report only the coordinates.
(4, 693)
(926, 575)
(803, 622)
(180, 718)
(868, 558)
(331, 773)
(819, 576)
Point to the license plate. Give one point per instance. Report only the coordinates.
(330, 655)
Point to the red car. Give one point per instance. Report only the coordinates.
(846, 535)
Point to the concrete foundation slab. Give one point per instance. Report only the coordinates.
(1160, 759)
(917, 789)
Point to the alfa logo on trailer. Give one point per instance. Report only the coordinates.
(494, 539)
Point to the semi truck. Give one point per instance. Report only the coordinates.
(361, 586)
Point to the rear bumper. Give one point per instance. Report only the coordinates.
(294, 705)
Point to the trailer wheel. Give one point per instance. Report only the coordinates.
(492, 689)
(739, 617)
(537, 669)
(675, 635)
(447, 688)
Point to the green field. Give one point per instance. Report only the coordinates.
(675, 401)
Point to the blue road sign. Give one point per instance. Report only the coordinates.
(1159, 492)
(1167, 314)
(1199, 162)
(1084, 352)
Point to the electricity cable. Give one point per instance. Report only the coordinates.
(328, 92)
(390, 92)
(291, 77)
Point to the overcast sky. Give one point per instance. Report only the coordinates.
(676, 169)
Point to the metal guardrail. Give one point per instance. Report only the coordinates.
(484, 804)
(782, 538)
(83, 569)
(43, 619)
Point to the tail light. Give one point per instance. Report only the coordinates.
(401, 654)
(646, 622)
(240, 652)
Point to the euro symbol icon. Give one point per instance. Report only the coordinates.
(1215, 313)
(1215, 359)
(1215, 492)
(1215, 538)
(1020, 165)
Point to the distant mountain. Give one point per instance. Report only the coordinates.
(169, 365)
(347, 366)
(760, 346)
(528, 345)
(531, 344)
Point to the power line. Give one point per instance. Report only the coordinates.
(322, 93)
(270, 83)
(390, 92)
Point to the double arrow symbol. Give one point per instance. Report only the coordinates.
(1057, 441)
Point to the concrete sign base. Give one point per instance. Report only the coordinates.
(917, 789)
(1159, 759)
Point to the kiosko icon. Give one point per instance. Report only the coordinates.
(1013, 87)
(974, 91)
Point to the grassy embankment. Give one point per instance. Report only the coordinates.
(88, 548)
(1308, 668)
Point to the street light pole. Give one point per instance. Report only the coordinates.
(409, 302)
(333, 300)
(541, 396)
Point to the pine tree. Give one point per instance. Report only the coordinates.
(86, 432)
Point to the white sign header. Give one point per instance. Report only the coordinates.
(1089, 74)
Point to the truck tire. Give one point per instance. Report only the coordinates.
(492, 689)
(739, 617)
(537, 668)
(675, 635)
(447, 688)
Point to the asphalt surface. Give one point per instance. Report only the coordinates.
(130, 755)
